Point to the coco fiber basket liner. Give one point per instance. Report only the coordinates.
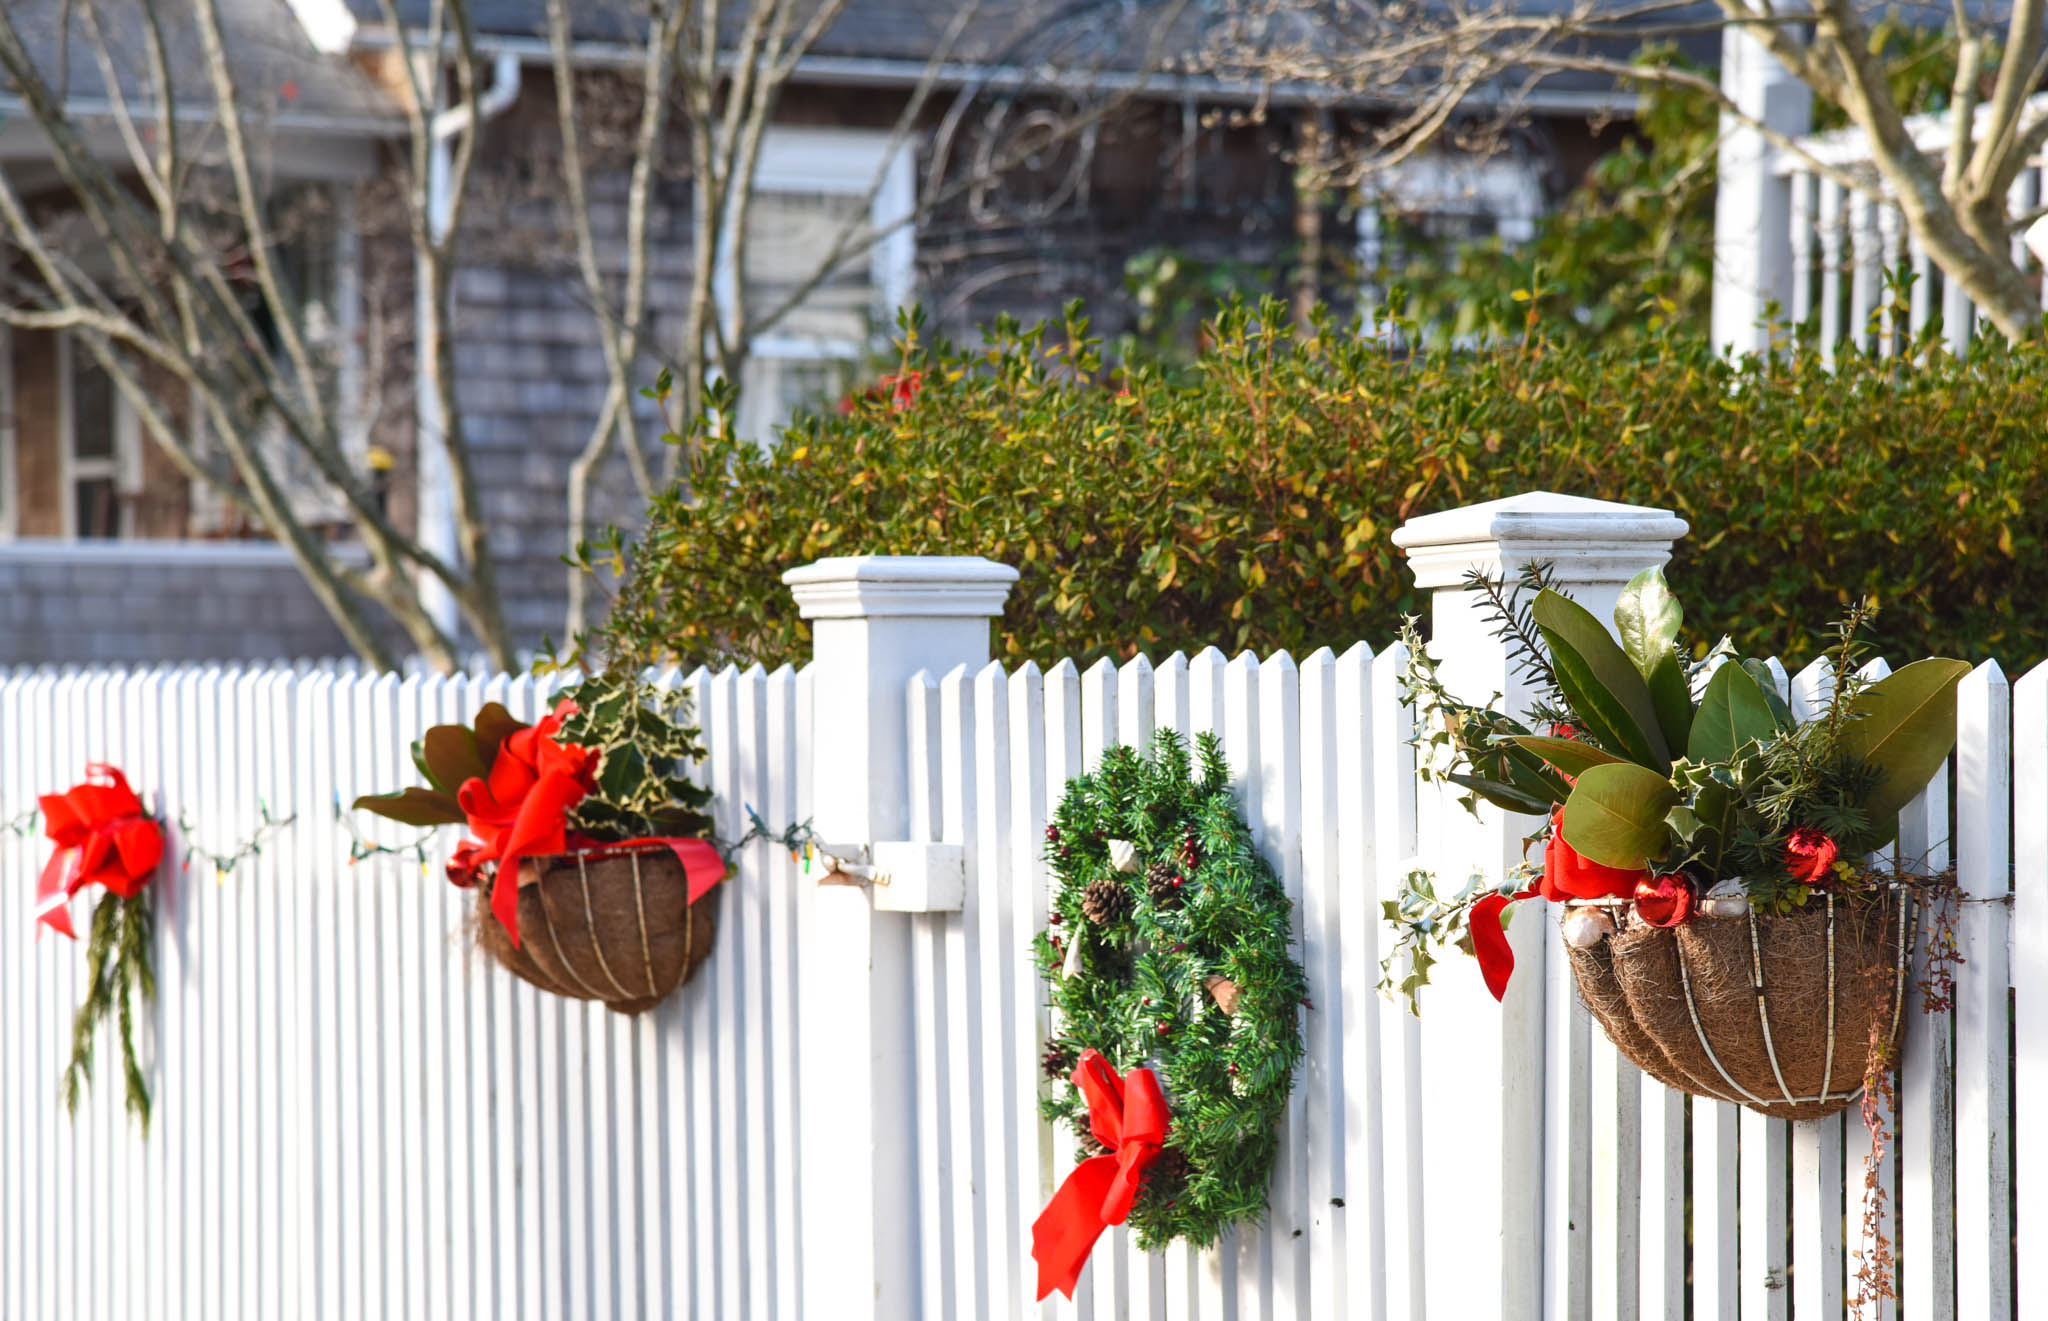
(610, 925)
(1777, 1013)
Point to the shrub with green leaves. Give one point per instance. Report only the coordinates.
(1248, 501)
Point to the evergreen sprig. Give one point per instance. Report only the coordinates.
(118, 963)
(1141, 994)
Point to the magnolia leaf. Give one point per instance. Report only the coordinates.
(1732, 712)
(1767, 684)
(1648, 617)
(1616, 815)
(1534, 779)
(1672, 697)
(450, 755)
(1568, 755)
(1600, 682)
(1904, 723)
(1504, 796)
(494, 724)
(415, 806)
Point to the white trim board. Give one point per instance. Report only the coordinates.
(10, 471)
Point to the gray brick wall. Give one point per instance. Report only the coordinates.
(123, 602)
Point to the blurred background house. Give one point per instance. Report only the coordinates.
(1003, 162)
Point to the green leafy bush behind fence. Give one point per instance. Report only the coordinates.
(1249, 502)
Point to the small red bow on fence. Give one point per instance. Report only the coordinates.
(522, 811)
(1129, 1116)
(103, 836)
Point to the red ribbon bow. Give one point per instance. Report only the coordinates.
(1129, 1116)
(522, 811)
(1570, 874)
(1567, 874)
(102, 836)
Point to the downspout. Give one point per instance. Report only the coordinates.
(437, 528)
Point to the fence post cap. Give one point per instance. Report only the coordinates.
(861, 586)
(1587, 540)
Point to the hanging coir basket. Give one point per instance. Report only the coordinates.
(1778, 1013)
(615, 925)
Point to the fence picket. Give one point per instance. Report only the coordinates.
(1983, 1058)
(1321, 1085)
(1029, 810)
(1926, 1094)
(1396, 834)
(2030, 970)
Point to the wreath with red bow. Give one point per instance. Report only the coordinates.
(1176, 1004)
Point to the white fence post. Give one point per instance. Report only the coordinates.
(1752, 203)
(1512, 1135)
(876, 621)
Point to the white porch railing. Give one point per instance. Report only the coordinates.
(1790, 237)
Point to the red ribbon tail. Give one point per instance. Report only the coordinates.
(1065, 1232)
(54, 890)
(1490, 938)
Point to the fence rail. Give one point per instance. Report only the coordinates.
(358, 1116)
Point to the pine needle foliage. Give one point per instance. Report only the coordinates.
(1141, 995)
(118, 965)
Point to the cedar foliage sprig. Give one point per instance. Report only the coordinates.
(118, 964)
(1507, 608)
(1141, 993)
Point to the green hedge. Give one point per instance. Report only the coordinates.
(1248, 502)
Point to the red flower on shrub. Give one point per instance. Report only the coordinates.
(1810, 855)
(1569, 874)
(900, 389)
(1664, 901)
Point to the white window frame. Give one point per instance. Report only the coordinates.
(125, 467)
(841, 162)
(10, 473)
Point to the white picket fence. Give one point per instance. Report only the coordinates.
(357, 1116)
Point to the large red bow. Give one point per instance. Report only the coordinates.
(1569, 874)
(522, 811)
(523, 807)
(1129, 1116)
(102, 836)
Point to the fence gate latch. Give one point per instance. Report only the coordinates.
(919, 878)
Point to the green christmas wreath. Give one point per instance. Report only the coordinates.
(1176, 960)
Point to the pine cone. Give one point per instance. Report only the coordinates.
(1059, 1059)
(1168, 1176)
(1105, 900)
(1163, 882)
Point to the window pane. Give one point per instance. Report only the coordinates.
(788, 235)
(92, 407)
(99, 510)
(773, 389)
